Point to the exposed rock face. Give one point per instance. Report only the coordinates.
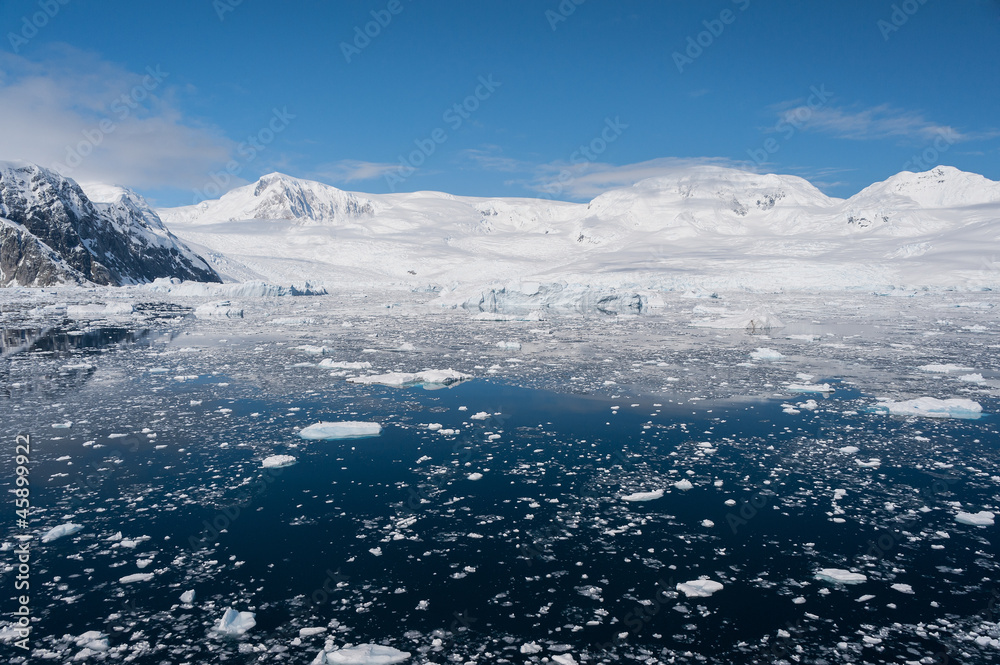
(27, 261)
(59, 235)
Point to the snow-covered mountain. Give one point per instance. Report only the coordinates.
(706, 226)
(51, 232)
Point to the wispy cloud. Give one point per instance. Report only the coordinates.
(353, 170)
(873, 123)
(586, 181)
(97, 121)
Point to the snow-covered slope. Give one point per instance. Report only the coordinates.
(705, 227)
(54, 234)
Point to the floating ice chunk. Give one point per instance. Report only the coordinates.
(340, 430)
(872, 463)
(482, 415)
(277, 461)
(754, 319)
(218, 310)
(840, 576)
(314, 350)
(428, 378)
(367, 654)
(530, 648)
(67, 529)
(903, 588)
(65, 425)
(94, 640)
(699, 588)
(930, 407)
(475, 476)
(309, 632)
(708, 524)
(943, 369)
(97, 311)
(235, 623)
(810, 388)
(763, 353)
(982, 518)
(972, 378)
(564, 659)
(683, 485)
(136, 577)
(340, 364)
(187, 597)
(848, 450)
(376, 551)
(643, 496)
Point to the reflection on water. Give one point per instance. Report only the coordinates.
(64, 341)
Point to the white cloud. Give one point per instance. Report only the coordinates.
(863, 124)
(96, 121)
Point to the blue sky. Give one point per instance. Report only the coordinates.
(184, 99)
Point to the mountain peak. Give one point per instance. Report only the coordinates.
(940, 187)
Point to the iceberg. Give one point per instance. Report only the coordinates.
(699, 588)
(56, 532)
(930, 407)
(340, 430)
(840, 576)
(235, 623)
(429, 379)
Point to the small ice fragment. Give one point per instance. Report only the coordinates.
(137, 577)
(840, 576)
(643, 496)
(683, 485)
(903, 588)
(187, 597)
(763, 353)
(277, 461)
(699, 588)
(475, 476)
(67, 529)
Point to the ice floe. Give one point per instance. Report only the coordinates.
(931, 407)
(699, 588)
(340, 430)
(426, 378)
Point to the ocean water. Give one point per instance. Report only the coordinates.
(150, 435)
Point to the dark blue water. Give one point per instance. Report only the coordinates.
(542, 548)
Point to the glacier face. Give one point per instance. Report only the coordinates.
(52, 233)
(705, 227)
